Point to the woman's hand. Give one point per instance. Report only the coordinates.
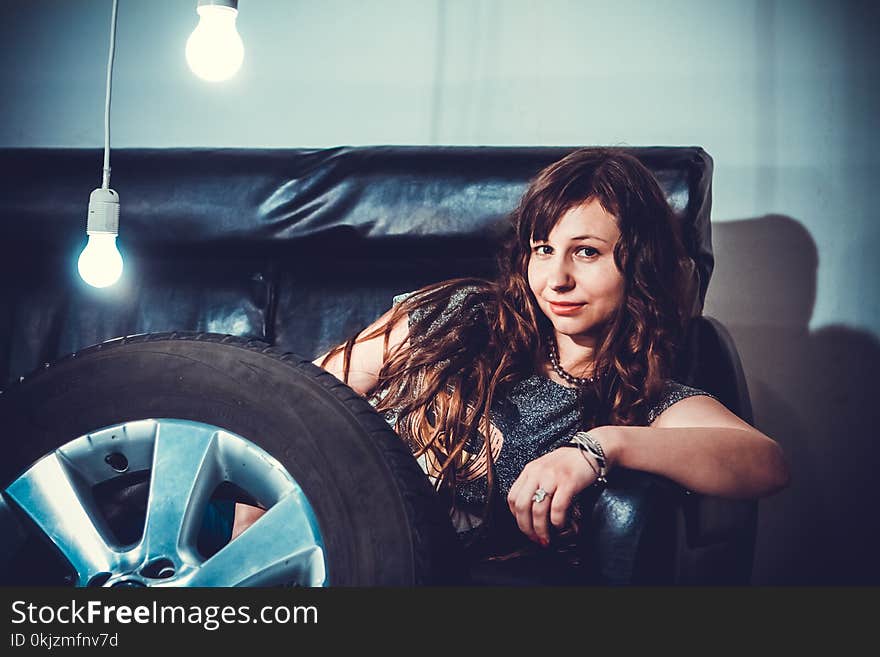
(245, 516)
(562, 474)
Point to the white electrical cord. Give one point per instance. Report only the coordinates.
(105, 184)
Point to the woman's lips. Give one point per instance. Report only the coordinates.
(565, 308)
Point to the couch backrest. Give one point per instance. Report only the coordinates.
(299, 248)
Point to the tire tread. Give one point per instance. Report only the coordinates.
(436, 553)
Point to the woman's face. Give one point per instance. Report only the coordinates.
(573, 275)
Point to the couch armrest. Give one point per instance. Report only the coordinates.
(634, 529)
(648, 530)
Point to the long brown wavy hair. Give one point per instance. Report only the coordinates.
(439, 385)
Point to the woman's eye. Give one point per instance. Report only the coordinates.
(542, 249)
(587, 251)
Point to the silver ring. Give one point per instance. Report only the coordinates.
(539, 495)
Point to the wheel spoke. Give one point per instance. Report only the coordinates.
(48, 495)
(183, 476)
(279, 547)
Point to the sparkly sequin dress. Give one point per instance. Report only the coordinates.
(537, 416)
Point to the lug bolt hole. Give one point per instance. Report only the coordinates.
(117, 461)
(158, 569)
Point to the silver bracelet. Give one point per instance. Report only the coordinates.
(585, 441)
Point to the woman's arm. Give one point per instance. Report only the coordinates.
(702, 446)
(696, 442)
(367, 356)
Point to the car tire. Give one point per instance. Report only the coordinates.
(379, 521)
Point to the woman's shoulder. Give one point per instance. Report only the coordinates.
(455, 291)
(435, 305)
(672, 392)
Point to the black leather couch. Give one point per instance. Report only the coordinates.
(301, 248)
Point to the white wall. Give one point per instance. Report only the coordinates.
(782, 93)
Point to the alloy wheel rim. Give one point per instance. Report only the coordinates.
(185, 462)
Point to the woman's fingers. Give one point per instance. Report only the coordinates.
(531, 504)
(562, 500)
(541, 505)
(520, 502)
(560, 475)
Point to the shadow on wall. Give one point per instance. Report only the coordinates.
(814, 392)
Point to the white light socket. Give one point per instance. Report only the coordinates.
(103, 212)
(233, 4)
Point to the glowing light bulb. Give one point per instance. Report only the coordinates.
(100, 263)
(214, 51)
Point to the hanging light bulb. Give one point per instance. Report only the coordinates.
(100, 264)
(214, 51)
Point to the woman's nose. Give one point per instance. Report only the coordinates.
(559, 278)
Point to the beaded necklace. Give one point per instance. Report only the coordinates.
(554, 363)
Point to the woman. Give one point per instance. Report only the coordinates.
(490, 381)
